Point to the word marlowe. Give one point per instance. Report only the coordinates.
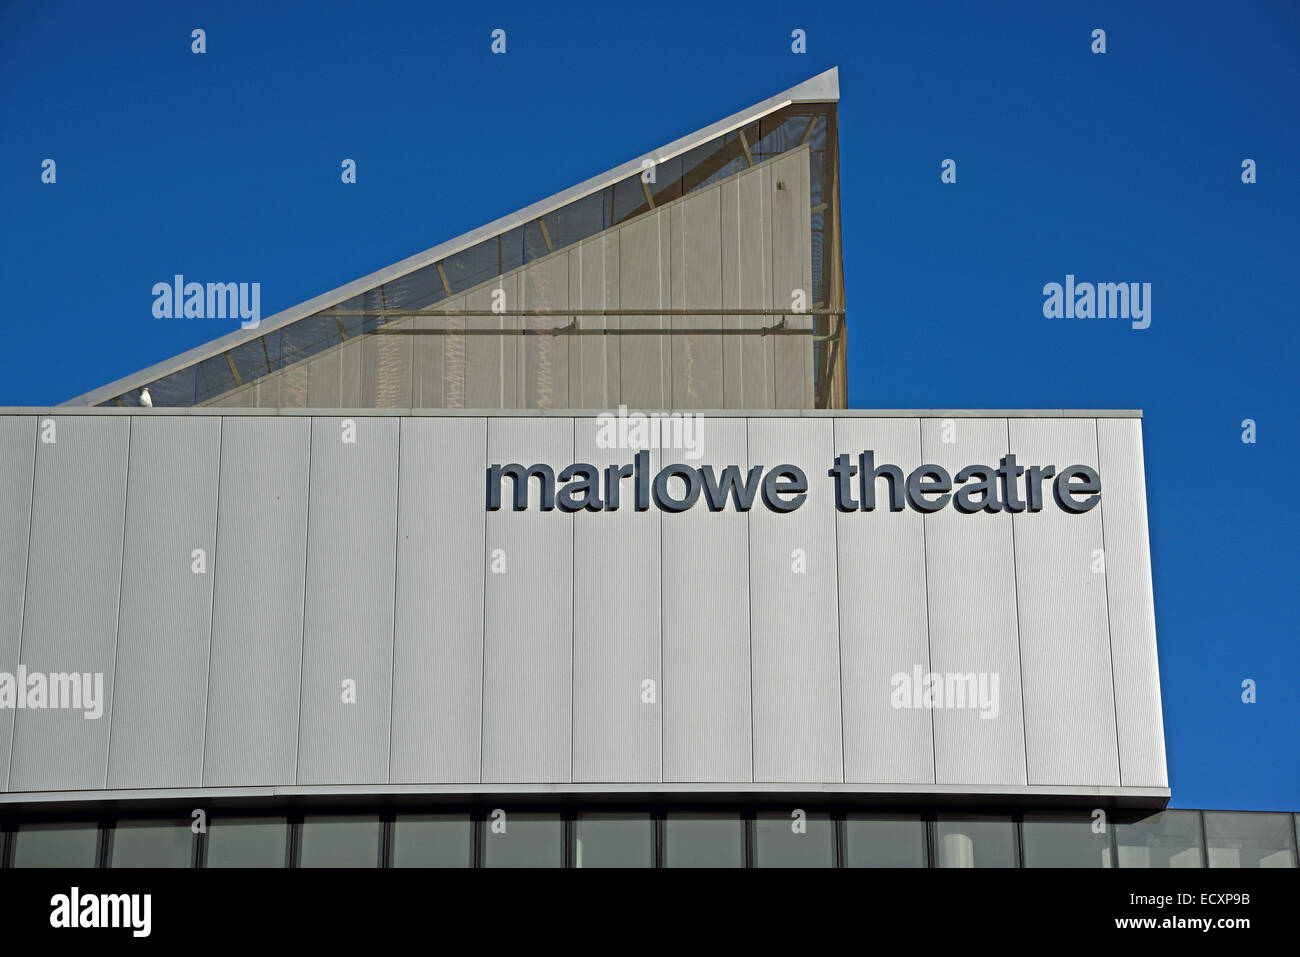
(784, 488)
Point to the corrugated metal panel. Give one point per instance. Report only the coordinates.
(1132, 614)
(1064, 634)
(794, 617)
(386, 367)
(791, 270)
(545, 285)
(348, 616)
(18, 442)
(616, 626)
(696, 360)
(324, 380)
(883, 614)
(528, 633)
(438, 652)
(453, 361)
(74, 571)
(972, 607)
(239, 399)
(161, 676)
(705, 693)
(644, 282)
(257, 605)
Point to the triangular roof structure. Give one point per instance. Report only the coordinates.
(359, 307)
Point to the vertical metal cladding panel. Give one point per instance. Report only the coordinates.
(428, 361)
(971, 577)
(794, 617)
(74, 571)
(643, 273)
(512, 344)
(705, 693)
(438, 650)
(324, 380)
(348, 615)
(485, 361)
(1064, 633)
(161, 677)
(17, 458)
(792, 270)
(616, 627)
(883, 613)
(696, 271)
(386, 367)
(545, 285)
(593, 356)
(257, 605)
(1132, 614)
(528, 631)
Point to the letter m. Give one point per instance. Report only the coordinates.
(1112, 296)
(222, 301)
(522, 476)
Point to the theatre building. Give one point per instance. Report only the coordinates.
(556, 545)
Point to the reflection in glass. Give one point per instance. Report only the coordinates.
(962, 841)
(1066, 840)
(1242, 839)
(1166, 839)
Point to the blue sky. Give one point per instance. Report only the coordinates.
(1117, 167)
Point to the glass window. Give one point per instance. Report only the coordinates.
(614, 840)
(151, 844)
(56, 845)
(340, 841)
(704, 840)
(1066, 840)
(1166, 839)
(961, 841)
(797, 838)
(884, 840)
(247, 842)
(433, 840)
(523, 839)
(1244, 839)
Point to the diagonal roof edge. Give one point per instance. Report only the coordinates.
(822, 88)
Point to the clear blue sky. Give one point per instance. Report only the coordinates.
(1123, 166)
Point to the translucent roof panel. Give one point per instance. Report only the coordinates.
(730, 147)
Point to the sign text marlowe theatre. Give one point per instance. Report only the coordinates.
(1008, 487)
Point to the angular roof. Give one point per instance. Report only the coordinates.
(823, 88)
